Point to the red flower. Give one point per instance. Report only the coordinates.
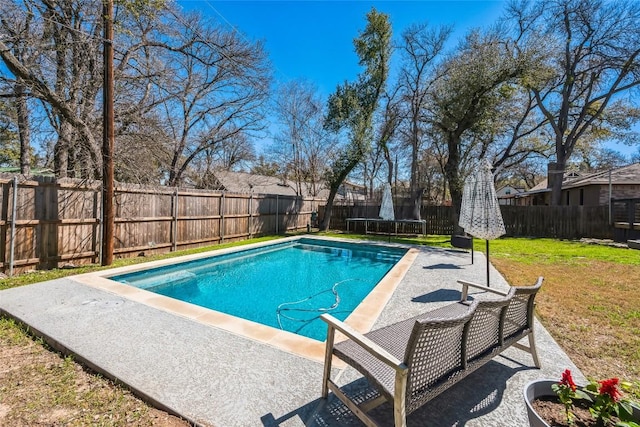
(610, 387)
(567, 380)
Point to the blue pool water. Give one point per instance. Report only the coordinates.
(284, 285)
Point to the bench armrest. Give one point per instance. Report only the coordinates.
(465, 289)
(364, 342)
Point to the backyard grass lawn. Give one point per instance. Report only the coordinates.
(590, 300)
(590, 303)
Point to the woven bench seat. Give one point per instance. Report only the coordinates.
(412, 361)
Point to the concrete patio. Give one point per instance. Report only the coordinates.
(214, 377)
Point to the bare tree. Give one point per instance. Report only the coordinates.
(301, 141)
(183, 85)
(420, 47)
(213, 91)
(53, 56)
(9, 139)
(593, 58)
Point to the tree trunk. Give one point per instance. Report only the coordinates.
(452, 173)
(324, 226)
(61, 151)
(557, 177)
(416, 203)
(23, 129)
(414, 186)
(390, 165)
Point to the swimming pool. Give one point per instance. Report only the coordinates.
(284, 285)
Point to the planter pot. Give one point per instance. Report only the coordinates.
(532, 391)
(541, 388)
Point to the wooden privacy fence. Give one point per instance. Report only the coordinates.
(560, 222)
(58, 222)
(626, 219)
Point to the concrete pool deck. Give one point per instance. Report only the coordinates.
(213, 376)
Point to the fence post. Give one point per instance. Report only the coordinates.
(100, 219)
(222, 218)
(276, 214)
(174, 223)
(96, 226)
(14, 209)
(250, 230)
(610, 197)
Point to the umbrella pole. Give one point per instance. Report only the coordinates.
(488, 285)
(471, 249)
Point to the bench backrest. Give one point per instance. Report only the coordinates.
(519, 317)
(435, 355)
(485, 328)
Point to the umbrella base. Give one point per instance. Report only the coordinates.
(462, 242)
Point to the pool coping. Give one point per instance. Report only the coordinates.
(361, 319)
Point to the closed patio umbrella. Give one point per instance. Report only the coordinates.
(386, 206)
(480, 214)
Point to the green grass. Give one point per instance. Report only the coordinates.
(520, 249)
(438, 241)
(549, 251)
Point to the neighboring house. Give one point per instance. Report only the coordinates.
(507, 194)
(348, 192)
(245, 183)
(594, 189)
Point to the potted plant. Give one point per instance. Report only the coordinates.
(598, 404)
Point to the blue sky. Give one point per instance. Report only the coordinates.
(312, 40)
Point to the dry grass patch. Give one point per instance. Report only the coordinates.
(39, 387)
(591, 307)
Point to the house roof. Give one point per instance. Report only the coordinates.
(541, 187)
(519, 189)
(629, 175)
(242, 182)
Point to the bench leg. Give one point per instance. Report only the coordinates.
(533, 350)
(399, 400)
(328, 356)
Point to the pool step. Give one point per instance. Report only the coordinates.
(166, 278)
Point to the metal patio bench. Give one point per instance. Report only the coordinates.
(412, 361)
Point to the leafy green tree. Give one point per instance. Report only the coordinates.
(593, 60)
(466, 102)
(351, 108)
